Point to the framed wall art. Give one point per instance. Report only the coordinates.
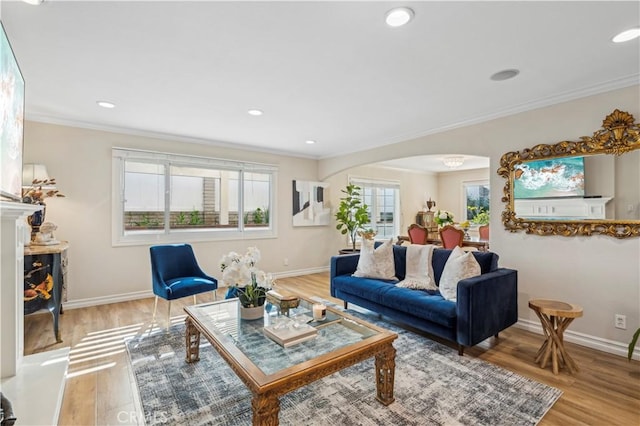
(11, 121)
(309, 207)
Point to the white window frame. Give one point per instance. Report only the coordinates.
(465, 184)
(388, 184)
(120, 238)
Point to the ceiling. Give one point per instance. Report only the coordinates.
(332, 72)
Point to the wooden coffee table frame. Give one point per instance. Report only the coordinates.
(268, 388)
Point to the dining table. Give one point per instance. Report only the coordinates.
(480, 244)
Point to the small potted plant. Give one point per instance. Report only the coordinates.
(352, 214)
(465, 227)
(245, 281)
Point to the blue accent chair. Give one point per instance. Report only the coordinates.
(175, 274)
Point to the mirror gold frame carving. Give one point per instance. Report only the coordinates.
(619, 134)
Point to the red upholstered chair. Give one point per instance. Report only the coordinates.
(418, 234)
(484, 232)
(450, 236)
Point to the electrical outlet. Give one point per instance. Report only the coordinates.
(286, 262)
(621, 321)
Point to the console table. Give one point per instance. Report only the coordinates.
(481, 245)
(45, 270)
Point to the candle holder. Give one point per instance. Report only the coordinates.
(319, 312)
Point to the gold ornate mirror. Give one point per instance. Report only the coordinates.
(585, 187)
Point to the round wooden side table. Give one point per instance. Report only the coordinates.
(555, 317)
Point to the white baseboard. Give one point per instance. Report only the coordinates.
(299, 272)
(125, 297)
(104, 300)
(593, 342)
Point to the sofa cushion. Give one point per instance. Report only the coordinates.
(367, 288)
(460, 265)
(428, 305)
(487, 260)
(424, 304)
(419, 274)
(376, 262)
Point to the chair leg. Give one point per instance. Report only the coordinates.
(215, 295)
(168, 314)
(155, 307)
(195, 302)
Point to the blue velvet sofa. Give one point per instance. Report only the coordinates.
(486, 304)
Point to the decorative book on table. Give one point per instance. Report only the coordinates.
(288, 336)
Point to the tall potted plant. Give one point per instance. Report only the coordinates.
(352, 213)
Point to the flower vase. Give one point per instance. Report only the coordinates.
(253, 313)
(35, 220)
(466, 237)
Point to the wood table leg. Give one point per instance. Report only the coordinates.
(192, 341)
(553, 346)
(555, 317)
(385, 372)
(547, 346)
(265, 407)
(569, 362)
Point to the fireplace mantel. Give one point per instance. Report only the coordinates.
(23, 377)
(561, 208)
(12, 274)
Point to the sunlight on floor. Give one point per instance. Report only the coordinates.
(103, 346)
(91, 370)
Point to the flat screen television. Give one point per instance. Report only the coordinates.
(557, 177)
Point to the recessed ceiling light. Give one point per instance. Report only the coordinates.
(627, 35)
(255, 112)
(399, 16)
(106, 104)
(34, 2)
(309, 142)
(504, 75)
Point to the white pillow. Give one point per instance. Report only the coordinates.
(459, 266)
(419, 270)
(376, 263)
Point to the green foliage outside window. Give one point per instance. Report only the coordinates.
(181, 219)
(258, 216)
(195, 218)
(479, 215)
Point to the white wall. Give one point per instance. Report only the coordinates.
(80, 160)
(450, 188)
(602, 274)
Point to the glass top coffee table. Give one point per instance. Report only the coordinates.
(270, 370)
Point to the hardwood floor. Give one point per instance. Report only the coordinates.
(99, 388)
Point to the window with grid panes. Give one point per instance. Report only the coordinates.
(165, 197)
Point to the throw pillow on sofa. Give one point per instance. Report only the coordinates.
(419, 275)
(460, 265)
(376, 263)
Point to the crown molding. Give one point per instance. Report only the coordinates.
(51, 119)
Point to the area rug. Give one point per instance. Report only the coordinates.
(433, 386)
